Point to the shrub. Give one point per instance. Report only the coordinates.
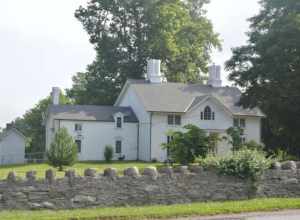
(209, 162)
(245, 163)
(108, 153)
(234, 137)
(253, 145)
(63, 150)
(185, 147)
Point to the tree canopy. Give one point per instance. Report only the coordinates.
(126, 33)
(31, 124)
(268, 69)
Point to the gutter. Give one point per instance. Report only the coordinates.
(151, 114)
(138, 142)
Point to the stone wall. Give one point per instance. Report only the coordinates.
(166, 186)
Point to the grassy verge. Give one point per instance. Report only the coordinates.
(79, 167)
(158, 212)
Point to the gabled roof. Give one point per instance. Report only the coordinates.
(179, 97)
(8, 131)
(90, 113)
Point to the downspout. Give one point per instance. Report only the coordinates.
(151, 114)
(138, 141)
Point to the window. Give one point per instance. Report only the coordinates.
(239, 122)
(118, 147)
(78, 127)
(169, 139)
(78, 143)
(177, 120)
(174, 119)
(119, 122)
(208, 114)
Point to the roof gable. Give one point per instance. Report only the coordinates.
(179, 97)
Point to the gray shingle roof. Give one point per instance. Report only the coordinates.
(90, 113)
(179, 97)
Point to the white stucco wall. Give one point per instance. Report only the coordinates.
(96, 135)
(130, 99)
(222, 122)
(12, 149)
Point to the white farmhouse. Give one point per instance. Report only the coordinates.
(146, 110)
(12, 147)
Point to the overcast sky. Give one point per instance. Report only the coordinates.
(42, 45)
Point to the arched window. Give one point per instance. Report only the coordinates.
(207, 113)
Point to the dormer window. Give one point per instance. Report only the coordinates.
(207, 114)
(119, 122)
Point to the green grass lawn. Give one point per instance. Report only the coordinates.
(156, 212)
(79, 167)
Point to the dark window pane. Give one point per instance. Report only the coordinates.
(242, 123)
(236, 122)
(78, 127)
(118, 147)
(213, 116)
(207, 113)
(201, 116)
(178, 120)
(170, 119)
(78, 143)
(119, 122)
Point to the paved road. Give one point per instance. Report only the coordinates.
(282, 215)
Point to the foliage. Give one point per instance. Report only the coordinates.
(186, 146)
(63, 150)
(268, 70)
(108, 153)
(213, 140)
(234, 137)
(31, 124)
(211, 161)
(127, 33)
(281, 156)
(253, 145)
(244, 163)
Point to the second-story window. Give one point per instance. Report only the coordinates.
(119, 122)
(207, 114)
(174, 119)
(78, 127)
(239, 122)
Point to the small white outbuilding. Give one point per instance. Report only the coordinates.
(12, 147)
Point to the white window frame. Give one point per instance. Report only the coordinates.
(173, 119)
(241, 122)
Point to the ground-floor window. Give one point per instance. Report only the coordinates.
(118, 147)
(169, 139)
(78, 143)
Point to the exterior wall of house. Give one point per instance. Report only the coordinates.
(222, 122)
(130, 99)
(253, 129)
(96, 135)
(12, 149)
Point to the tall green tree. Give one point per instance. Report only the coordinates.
(63, 150)
(31, 124)
(126, 33)
(268, 69)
